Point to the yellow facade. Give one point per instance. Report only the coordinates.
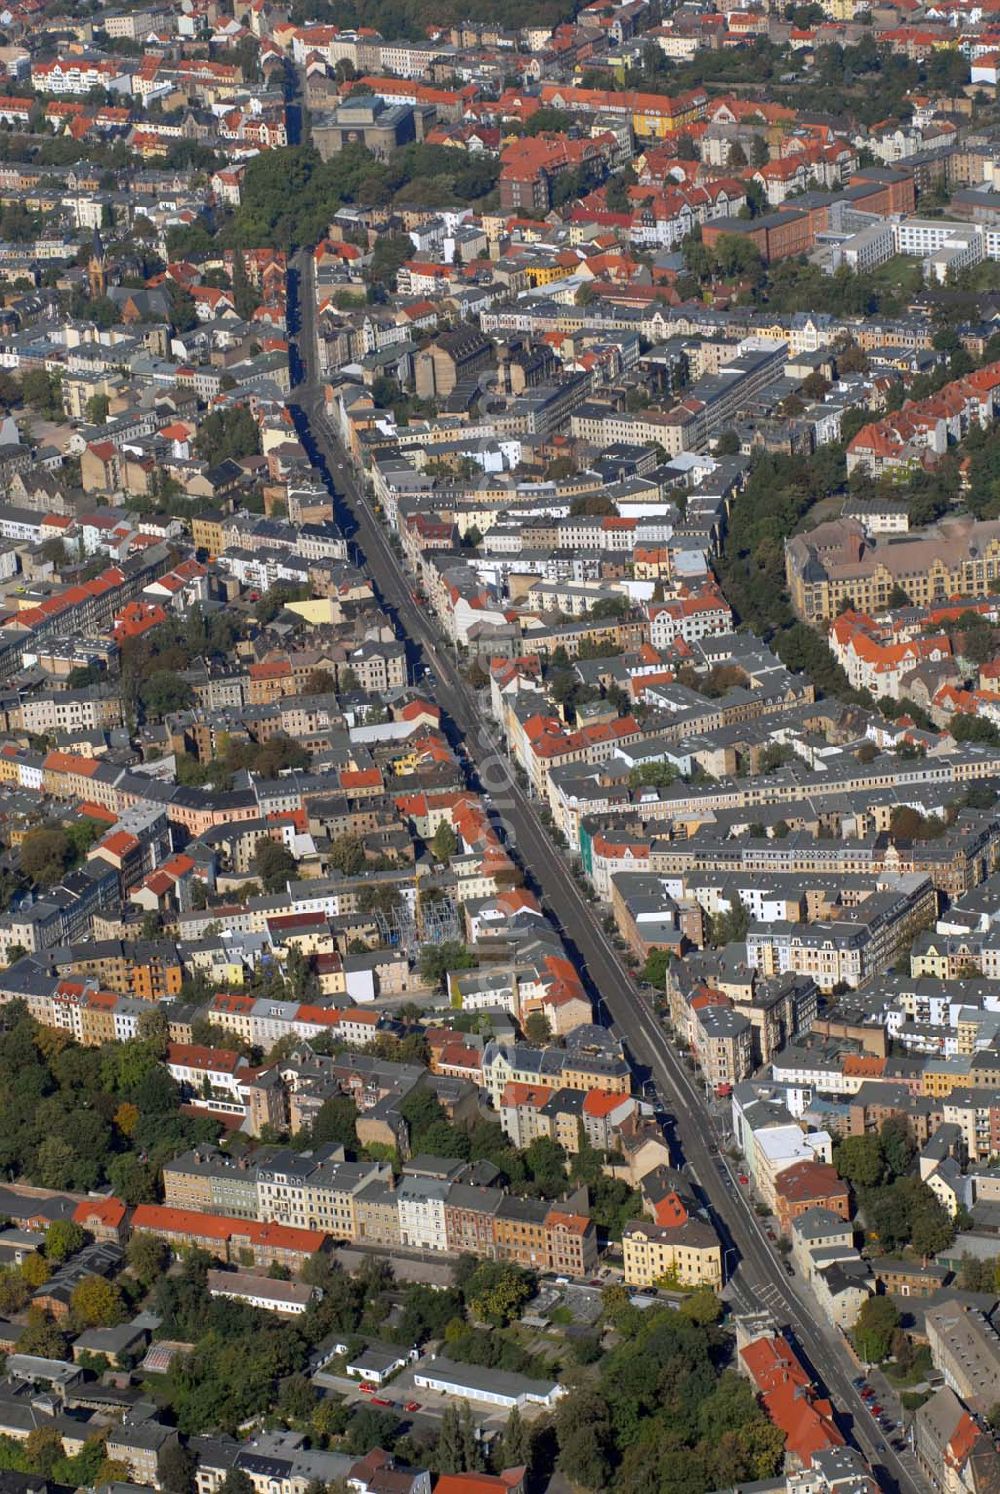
(316, 611)
(207, 534)
(649, 1260)
(544, 274)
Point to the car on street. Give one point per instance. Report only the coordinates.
(380, 1400)
(412, 1406)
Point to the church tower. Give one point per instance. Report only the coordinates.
(96, 267)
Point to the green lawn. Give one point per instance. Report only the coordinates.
(918, 1371)
(901, 275)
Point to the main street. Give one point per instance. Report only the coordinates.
(757, 1273)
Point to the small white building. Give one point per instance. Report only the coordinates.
(288, 1297)
(490, 1387)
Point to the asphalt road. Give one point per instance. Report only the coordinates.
(756, 1272)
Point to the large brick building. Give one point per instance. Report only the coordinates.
(837, 564)
(793, 230)
(808, 1185)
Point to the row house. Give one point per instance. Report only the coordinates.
(437, 1211)
(239, 1241)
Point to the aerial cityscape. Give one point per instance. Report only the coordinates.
(500, 747)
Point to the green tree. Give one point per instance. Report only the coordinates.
(148, 1258)
(245, 298)
(43, 391)
(498, 1295)
(877, 1322)
(229, 433)
(391, 252)
(177, 1469)
(54, 551)
(654, 971)
(55, 1162)
(36, 1270)
(97, 408)
(860, 1160)
(43, 1448)
(298, 1395)
(472, 1454)
(444, 842)
(347, 855)
(931, 1226)
(898, 1144)
(974, 729)
(63, 1238)
(731, 927)
(585, 1438)
(336, 1121)
(237, 1482)
(133, 1180)
(42, 1336)
(448, 1454)
(45, 854)
(273, 864)
(537, 1029)
(14, 1292)
(702, 1306)
(653, 775)
(319, 682)
(97, 1303)
(546, 1162)
(163, 692)
(369, 1428)
(516, 1443)
(436, 960)
(183, 311)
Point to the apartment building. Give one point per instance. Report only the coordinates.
(552, 1068)
(853, 948)
(965, 1347)
(687, 1253)
(310, 1190)
(837, 564)
(243, 1242)
(723, 1041)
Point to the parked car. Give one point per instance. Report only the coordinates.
(412, 1406)
(789, 1269)
(367, 1388)
(380, 1400)
(741, 1177)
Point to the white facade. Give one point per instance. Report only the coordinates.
(420, 1203)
